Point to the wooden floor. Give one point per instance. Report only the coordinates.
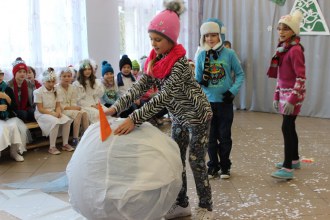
(251, 193)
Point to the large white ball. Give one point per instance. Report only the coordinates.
(135, 176)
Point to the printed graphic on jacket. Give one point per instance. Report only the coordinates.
(218, 74)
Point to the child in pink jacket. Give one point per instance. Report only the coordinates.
(288, 66)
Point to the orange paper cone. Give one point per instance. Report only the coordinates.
(105, 128)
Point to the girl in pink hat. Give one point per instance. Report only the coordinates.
(190, 112)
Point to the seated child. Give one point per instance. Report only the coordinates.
(31, 75)
(110, 88)
(90, 90)
(69, 104)
(136, 69)
(125, 80)
(23, 91)
(49, 115)
(9, 124)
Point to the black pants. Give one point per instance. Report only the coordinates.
(290, 140)
(26, 116)
(220, 142)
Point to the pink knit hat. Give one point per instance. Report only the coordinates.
(167, 22)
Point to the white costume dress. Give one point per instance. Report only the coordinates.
(47, 98)
(88, 97)
(10, 134)
(133, 176)
(69, 98)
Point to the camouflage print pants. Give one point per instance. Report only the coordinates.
(196, 137)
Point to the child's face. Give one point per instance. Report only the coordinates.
(66, 78)
(109, 77)
(20, 75)
(160, 44)
(49, 84)
(126, 69)
(87, 71)
(284, 32)
(227, 46)
(212, 39)
(2, 76)
(135, 72)
(30, 75)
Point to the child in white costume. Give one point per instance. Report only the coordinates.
(49, 115)
(89, 89)
(69, 104)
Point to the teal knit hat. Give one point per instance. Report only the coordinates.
(106, 68)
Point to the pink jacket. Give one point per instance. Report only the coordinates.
(291, 79)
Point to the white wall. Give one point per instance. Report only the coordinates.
(103, 32)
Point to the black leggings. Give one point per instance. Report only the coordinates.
(290, 140)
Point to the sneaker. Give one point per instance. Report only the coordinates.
(67, 147)
(75, 142)
(294, 165)
(177, 211)
(203, 214)
(225, 174)
(213, 172)
(17, 157)
(283, 174)
(54, 150)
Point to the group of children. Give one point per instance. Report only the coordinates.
(202, 115)
(61, 99)
(200, 105)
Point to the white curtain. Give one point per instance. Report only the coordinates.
(44, 33)
(135, 16)
(251, 27)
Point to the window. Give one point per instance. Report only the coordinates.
(44, 33)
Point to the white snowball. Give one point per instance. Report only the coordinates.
(134, 176)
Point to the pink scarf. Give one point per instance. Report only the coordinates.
(163, 66)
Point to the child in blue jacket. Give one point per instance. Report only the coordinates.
(214, 67)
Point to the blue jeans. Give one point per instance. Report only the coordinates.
(220, 142)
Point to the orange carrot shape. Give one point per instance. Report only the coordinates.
(105, 128)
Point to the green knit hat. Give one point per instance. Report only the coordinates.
(135, 65)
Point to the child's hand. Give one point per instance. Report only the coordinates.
(76, 108)
(110, 111)
(126, 127)
(288, 108)
(228, 97)
(3, 95)
(3, 108)
(55, 114)
(275, 105)
(137, 102)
